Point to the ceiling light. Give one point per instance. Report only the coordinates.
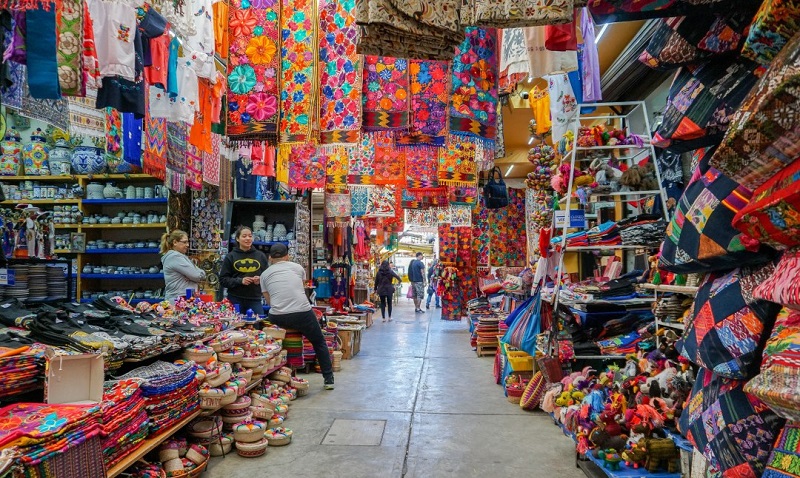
(530, 141)
(508, 171)
(599, 35)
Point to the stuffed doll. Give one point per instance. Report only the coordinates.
(635, 457)
(602, 440)
(611, 459)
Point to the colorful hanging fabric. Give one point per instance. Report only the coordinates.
(41, 54)
(69, 52)
(385, 94)
(340, 73)
(381, 202)
(253, 67)
(225, 173)
(154, 161)
(283, 162)
(11, 94)
(307, 168)
(501, 242)
(298, 64)
(359, 198)
(459, 216)
(194, 167)
(211, 161)
(500, 140)
(473, 102)
(336, 168)
(132, 141)
(424, 198)
(429, 94)
(54, 112)
(514, 65)
(84, 119)
(463, 195)
(424, 218)
(390, 161)
(113, 134)
(517, 256)
(338, 205)
(176, 156)
(480, 233)
(457, 163)
(361, 160)
(422, 163)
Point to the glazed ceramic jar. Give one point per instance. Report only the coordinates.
(11, 154)
(61, 158)
(35, 155)
(88, 160)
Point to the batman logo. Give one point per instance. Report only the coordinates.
(247, 266)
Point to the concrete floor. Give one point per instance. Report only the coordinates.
(443, 413)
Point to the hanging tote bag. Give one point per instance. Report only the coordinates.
(494, 192)
(523, 332)
(773, 26)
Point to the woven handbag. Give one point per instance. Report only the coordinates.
(782, 286)
(779, 381)
(534, 392)
(774, 24)
(700, 237)
(784, 461)
(762, 137)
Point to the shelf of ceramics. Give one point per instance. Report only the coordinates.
(40, 201)
(122, 276)
(139, 250)
(67, 226)
(126, 201)
(160, 225)
(39, 178)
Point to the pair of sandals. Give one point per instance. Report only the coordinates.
(385, 320)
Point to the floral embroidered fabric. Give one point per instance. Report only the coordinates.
(307, 167)
(385, 97)
(298, 64)
(473, 102)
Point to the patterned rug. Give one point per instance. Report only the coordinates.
(338, 205)
(298, 64)
(385, 95)
(473, 102)
(340, 73)
(361, 160)
(457, 165)
(336, 168)
(429, 94)
(253, 66)
(307, 168)
(480, 233)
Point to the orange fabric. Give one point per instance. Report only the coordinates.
(200, 133)
(216, 102)
(221, 29)
(156, 74)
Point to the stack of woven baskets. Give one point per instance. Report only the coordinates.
(182, 460)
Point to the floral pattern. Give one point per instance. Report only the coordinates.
(361, 161)
(390, 161)
(421, 166)
(70, 48)
(473, 100)
(429, 95)
(457, 165)
(385, 97)
(298, 58)
(307, 168)
(340, 72)
(336, 168)
(772, 27)
(253, 66)
(381, 202)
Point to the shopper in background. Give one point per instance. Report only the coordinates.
(384, 287)
(241, 272)
(416, 275)
(432, 283)
(282, 286)
(180, 273)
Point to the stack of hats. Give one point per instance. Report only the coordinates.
(236, 413)
(125, 420)
(179, 457)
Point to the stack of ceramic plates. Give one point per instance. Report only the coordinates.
(20, 288)
(37, 282)
(56, 282)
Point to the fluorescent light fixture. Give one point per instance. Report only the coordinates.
(530, 141)
(508, 171)
(599, 35)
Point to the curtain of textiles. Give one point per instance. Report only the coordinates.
(253, 67)
(381, 202)
(298, 64)
(385, 95)
(430, 87)
(340, 73)
(307, 167)
(176, 156)
(473, 101)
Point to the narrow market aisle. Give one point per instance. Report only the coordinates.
(416, 401)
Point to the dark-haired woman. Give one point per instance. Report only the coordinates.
(241, 273)
(384, 287)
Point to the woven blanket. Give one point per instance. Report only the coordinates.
(457, 165)
(253, 66)
(194, 167)
(54, 112)
(84, 119)
(463, 195)
(307, 168)
(422, 162)
(298, 64)
(359, 199)
(176, 156)
(516, 256)
(473, 102)
(69, 48)
(390, 161)
(385, 95)
(480, 233)
(381, 202)
(340, 73)
(361, 160)
(113, 135)
(336, 168)
(154, 161)
(429, 96)
(211, 161)
(27, 424)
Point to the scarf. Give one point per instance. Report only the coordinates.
(336, 168)
(41, 54)
(429, 95)
(390, 162)
(473, 102)
(298, 64)
(70, 48)
(211, 162)
(155, 144)
(385, 94)
(361, 160)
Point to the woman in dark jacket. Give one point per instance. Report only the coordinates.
(384, 287)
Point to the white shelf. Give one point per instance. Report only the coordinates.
(651, 192)
(670, 325)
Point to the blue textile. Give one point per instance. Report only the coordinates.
(42, 65)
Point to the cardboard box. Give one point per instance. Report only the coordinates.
(75, 379)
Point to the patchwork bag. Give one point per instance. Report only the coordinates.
(612, 11)
(774, 24)
(782, 286)
(784, 461)
(725, 333)
(773, 214)
(701, 100)
(700, 237)
(763, 135)
(733, 429)
(779, 381)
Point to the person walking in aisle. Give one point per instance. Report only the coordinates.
(416, 275)
(241, 271)
(384, 287)
(432, 282)
(180, 273)
(282, 286)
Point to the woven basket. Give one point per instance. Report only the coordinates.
(215, 449)
(235, 420)
(222, 344)
(239, 338)
(246, 374)
(204, 428)
(222, 376)
(230, 397)
(302, 392)
(174, 467)
(282, 375)
(197, 454)
(261, 400)
(275, 333)
(275, 421)
(234, 355)
(248, 432)
(283, 411)
(186, 473)
(168, 453)
(253, 362)
(239, 407)
(299, 383)
(252, 450)
(196, 356)
(278, 436)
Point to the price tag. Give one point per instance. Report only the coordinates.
(7, 277)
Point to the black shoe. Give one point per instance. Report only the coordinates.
(329, 383)
(428, 306)
(438, 306)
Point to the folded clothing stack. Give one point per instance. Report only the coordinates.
(22, 372)
(606, 234)
(125, 420)
(642, 230)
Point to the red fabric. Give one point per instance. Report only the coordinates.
(562, 37)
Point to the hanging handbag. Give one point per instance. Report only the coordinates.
(495, 192)
(782, 286)
(523, 332)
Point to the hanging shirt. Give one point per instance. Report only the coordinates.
(114, 26)
(200, 45)
(592, 92)
(323, 278)
(188, 92)
(543, 61)
(200, 132)
(156, 73)
(221, 28)
(172, 68)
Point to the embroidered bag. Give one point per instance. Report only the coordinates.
(520, 13)
(779, 381)
(495, 192)
(612, 11)
(725, 333)
(701, 100)
(762, 136)
(782, 286)
(733, 429)
(773, 214)
(700, 237)
(774, 24)
(784, 461)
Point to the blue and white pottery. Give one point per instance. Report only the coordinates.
(88, 160)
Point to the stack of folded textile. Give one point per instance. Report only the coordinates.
(606, 234)
(23, 371)
(171, 392)
(642, 230)
(487, 330)
(575, 239)
(621, 344)
(672, 308)
(293, 343)
(125, 420)
(309, 356)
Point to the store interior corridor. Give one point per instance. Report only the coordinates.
(416, 401)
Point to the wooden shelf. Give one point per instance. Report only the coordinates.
(160, 225)
(40, 201)
(39, 178)
(67, 226)
(126, 201)
(678, 289)
(148, 445)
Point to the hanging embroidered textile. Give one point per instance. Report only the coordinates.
(54, 112)
(298, 64)
(457, 165)
(253, 66)
(113, 136)
(499, 237)
(194, 167)
(307, 167)
(338, 205)
(390, 161)
(84, 119)
(176, 156)
(463, 195)
(426, 218)
(516, 256)
(225, 172)
(422, 163)
(211, 161)
(69, 47)
(336, 168)
(340, 73)
(282, 163)
(514, 64)
(499, 142)
(11, 94)
(381, 202)
(429, 94)
(459, 216)
(359, 198)
(473, 100)
(457, 284)
(480, 233)
(154, 161)
(385, 94)
(424, 198)
(131, 143)
(361, 160)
